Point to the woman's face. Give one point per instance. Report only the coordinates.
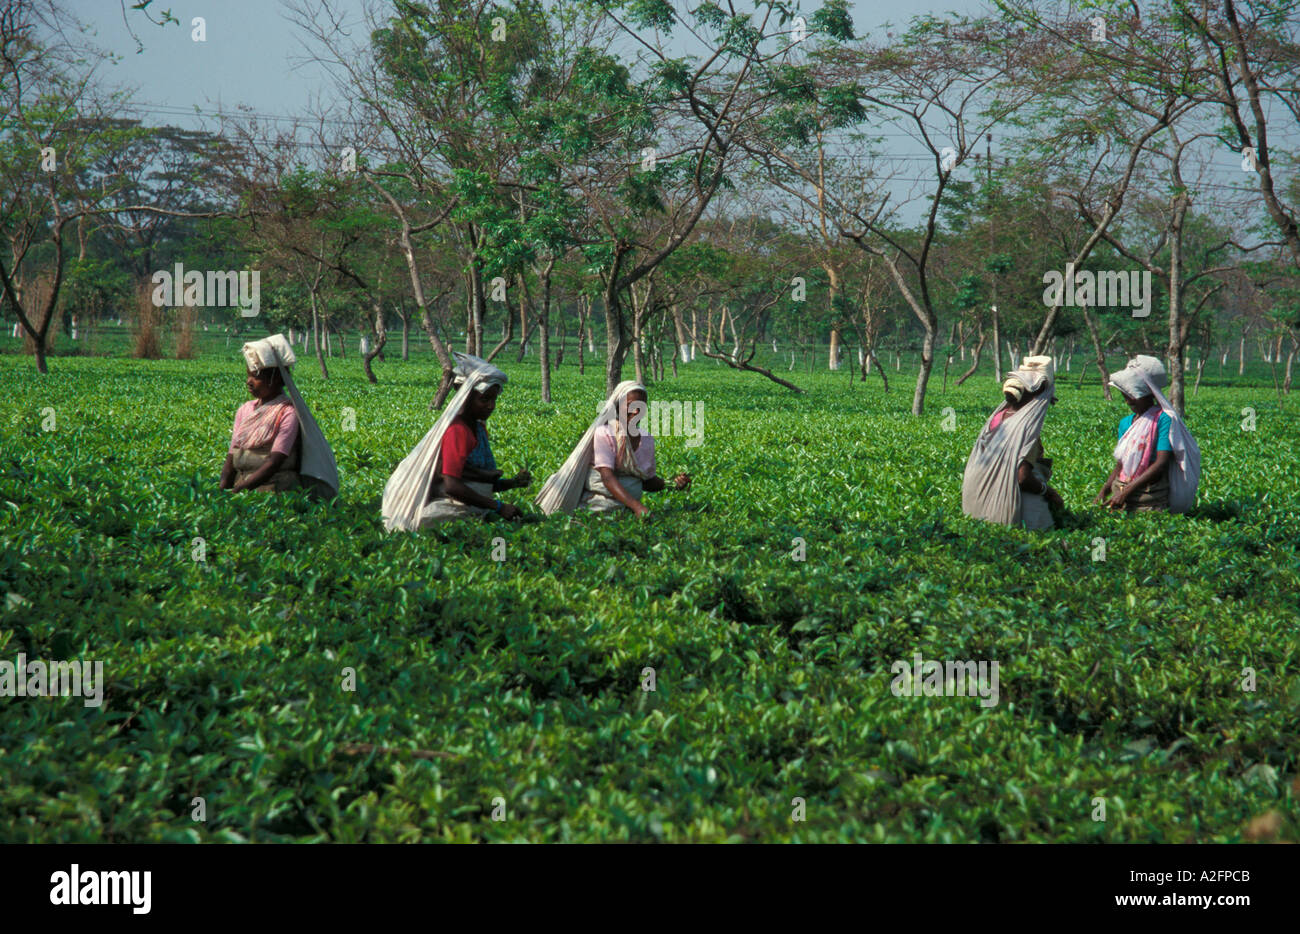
(636, 403)
(1139, 405)
(264, 384)
(482, 404)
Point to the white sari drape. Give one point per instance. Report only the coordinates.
(563, 489)
(405, 492)
(1185, 465)
(317, 455)
(990, 490)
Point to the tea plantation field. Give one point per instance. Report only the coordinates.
(1121, 661)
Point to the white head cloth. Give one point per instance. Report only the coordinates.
(1133, 379)
(1145, 376)
(563, 488)
(488, 375)
(317, 455)
(405, 492)
(989, 489)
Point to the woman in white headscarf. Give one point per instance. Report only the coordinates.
(613, 464)
(1007, 473)
(276, 444)
(451, 474)
(1157, 463)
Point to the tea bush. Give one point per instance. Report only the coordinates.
(521, 679)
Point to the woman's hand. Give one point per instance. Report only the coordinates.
(510, 511)
(522, 479)
(1117, 499)
(615, 490)
(682, 481)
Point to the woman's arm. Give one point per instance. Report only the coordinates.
(616, 490)
(1141, 480)
(518, 482)
(228, 472)
(274, 461)
(1029, 483)
(1110, 481)
(655, 484)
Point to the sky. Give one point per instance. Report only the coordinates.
(252, 55)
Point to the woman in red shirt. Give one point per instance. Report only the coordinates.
(451, 473)
(467, 474)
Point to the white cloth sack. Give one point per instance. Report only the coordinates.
(563, 489)
(1185, 469)
(446, 509)
(1185, 465)
(317, 455)
(406, 489)
(989, 489)
(596, 498)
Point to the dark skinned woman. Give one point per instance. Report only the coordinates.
(452, 474)
(276, 444)
(1006, 474)
(1157, 463)
(614, 462)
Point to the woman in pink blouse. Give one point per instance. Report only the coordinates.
(264, 450)
(623, 459)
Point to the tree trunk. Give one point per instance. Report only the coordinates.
(871, 358)
(477, 308)
(584, 311)
(544, 339)
(947, 363)
(923, 376)
(381, 338)
(559, 351)
(1101, 354)
(506, 338)
(975, 359)
(525, 329)
(1177, 329)
(316, 329)
(737, 364)
(997, 353)
(616, 341)
(683, 344)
